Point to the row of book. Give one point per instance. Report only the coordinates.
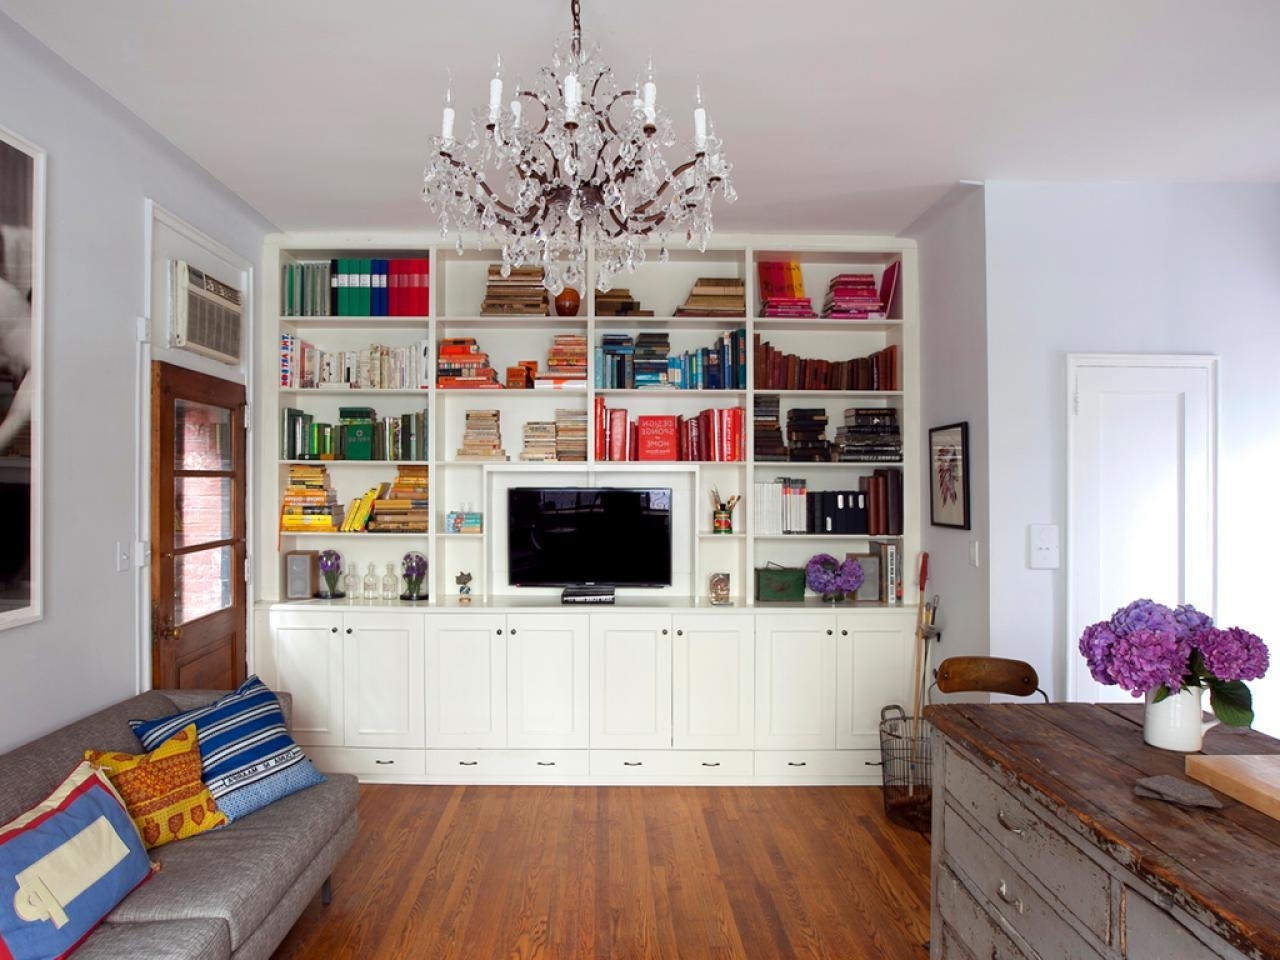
(711, 435)
(778, 370)
(356, 287)
(305, 366)
(786, 505)
(359, 434)
(645, 362)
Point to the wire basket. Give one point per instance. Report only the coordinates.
(904, 760)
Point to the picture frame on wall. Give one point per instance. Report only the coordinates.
(949, 475)
(22, 211)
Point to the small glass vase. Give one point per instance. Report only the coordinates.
(833, 598)
(351, 582)
(390, 583)
(1176, 722)
(371, 583)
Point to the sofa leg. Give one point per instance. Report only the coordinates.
(326, 891)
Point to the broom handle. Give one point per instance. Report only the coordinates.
(921, 646)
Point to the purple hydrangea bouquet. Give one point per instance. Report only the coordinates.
(330, 563)
(832, 578)
(414, 568)
(1147, 647)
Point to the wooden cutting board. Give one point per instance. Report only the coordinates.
(1253, 779)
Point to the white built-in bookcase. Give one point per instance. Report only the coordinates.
(457, 284)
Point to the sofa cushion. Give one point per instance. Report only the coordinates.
(168, 940)
(63, 864)
(240, 872)
(162, 789)
(249, 758)
(30, 773)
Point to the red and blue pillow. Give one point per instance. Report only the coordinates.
(64, 864)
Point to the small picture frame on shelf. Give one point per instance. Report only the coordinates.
(869, 592)
(718, 588)
(949, 476)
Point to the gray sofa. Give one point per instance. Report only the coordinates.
(232, 892)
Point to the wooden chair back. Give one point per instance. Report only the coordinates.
(987, 675)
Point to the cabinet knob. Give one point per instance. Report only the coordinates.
(844, 633)
(830, 632)
(679, 633)
(513, 631)
(499, 631)
(348, 631)
(664, 631)
(333, 629)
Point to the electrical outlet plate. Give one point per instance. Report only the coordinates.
(1043, 546)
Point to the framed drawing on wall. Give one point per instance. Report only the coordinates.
(22, 173)
(949, 476)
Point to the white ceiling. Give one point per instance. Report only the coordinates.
(839, 115)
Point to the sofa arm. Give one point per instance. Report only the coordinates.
(190, 699)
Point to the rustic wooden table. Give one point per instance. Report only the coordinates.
(1077, 764)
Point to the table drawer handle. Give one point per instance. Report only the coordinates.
(468, 763)
(633, 763)
(545, 763)
(1004, 822)
(797, 763)
(706, 763)
(1002, 891)
(384, 763)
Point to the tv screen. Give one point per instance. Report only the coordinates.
(612, 536)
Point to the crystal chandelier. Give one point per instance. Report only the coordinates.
(573, 163)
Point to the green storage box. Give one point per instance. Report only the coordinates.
(775, 582)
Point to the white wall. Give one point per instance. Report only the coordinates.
(103, 163)
(1130, 268)
(953, 338)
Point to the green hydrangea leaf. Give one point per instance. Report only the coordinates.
(1231, 702)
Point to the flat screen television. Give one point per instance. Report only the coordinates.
(610, 536)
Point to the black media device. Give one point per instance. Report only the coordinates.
(589, 540)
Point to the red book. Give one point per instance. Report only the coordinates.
(656, 438)
(601, 431)
(889, 284)
(618, 434)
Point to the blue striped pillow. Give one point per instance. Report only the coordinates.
(248, 757)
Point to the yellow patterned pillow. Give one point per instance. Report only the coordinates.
(162, 789)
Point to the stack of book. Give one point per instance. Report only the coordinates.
(566, 364)
(807, 435)
(769, 444)
(309, 504)
(482, 437)
(615, 361)
(464, 521)
(571, 435)
(869, 435)
(650, 365)
(539, 441)
(852, 296)
(619, 303)
(782, 290)
(405, 506)
(715, 297)
(461, 364)
(520, 293)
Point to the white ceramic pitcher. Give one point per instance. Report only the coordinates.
(1176, 722)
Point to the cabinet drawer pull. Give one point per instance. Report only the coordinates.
(709, 764)
(468, 763)
(797, 763)
(545, 763)
(1002, 891)
(384, 763)
(633, 763)
(1004, 822)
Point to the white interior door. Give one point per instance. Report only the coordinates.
(1141, 439)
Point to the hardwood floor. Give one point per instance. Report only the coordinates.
(623, 873)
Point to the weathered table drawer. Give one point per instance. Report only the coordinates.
(1011, 895)
(973, 926)
(1045, 854)
(1150, 933)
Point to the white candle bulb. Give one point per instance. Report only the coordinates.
(495, 92)
(572, 96)
(650, 95)
(699, 119)
(446, 120)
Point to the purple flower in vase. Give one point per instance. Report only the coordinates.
(330, 563)
(832, 578)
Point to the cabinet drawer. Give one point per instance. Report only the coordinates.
(1063, 869)
(683, 766)
(1010, 896)
(845, 764)
(1151, 933)
(968, 923)
(506, 766)
(369, 762)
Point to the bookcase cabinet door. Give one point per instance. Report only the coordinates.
(875, 654)
(466, 681)
(303, 655)
(630, 680)
(713, 681)
(547, 680)
(383, 671)
(796, 682)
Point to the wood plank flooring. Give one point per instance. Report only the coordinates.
(623, 873)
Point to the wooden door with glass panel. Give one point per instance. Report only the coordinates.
(198, 594)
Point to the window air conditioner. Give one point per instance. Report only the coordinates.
(206, 314)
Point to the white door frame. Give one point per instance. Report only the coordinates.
(1075, 363)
